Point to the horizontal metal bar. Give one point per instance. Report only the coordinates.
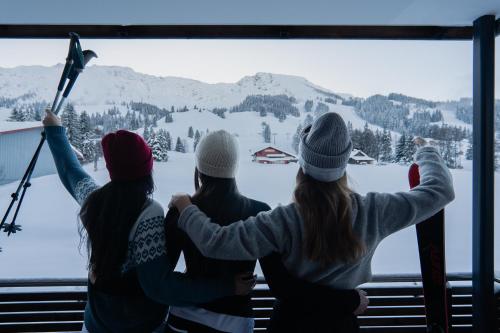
(51, 282)
(240, 31)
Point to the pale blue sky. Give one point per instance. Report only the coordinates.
(430, 69)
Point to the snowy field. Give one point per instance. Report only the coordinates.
(48, 244)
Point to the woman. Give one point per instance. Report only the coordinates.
(131, 279)
(219, 198)
(329, 234)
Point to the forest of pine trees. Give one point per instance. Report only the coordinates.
(399, 113)
(279, 105)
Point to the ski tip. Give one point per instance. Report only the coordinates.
(414, 176)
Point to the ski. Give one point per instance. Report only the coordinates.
(431, 247)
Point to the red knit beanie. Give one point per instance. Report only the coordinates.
(127, 155)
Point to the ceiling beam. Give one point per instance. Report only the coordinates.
(239, 32)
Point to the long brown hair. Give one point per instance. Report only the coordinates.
(107, 217)
(326, 210)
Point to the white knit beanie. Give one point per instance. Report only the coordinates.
(217, 155)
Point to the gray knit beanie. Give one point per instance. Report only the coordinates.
(325, 148)
(217, 155)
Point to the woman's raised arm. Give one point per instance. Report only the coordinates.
(78, 183)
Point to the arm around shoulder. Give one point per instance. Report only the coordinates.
(155, 267)
(243, 240)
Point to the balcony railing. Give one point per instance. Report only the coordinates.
(396, 304)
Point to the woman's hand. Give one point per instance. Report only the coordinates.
(419, 142)
(244, 283)
(363, 302)
(51, 119)
(180, 201)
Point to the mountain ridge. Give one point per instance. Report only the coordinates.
(116, 84)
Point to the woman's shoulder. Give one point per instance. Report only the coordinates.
(153, 209)
(259, 206)
(284, 213)
(151, 217)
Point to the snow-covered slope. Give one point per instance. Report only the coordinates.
(101, 87)
(112, 85)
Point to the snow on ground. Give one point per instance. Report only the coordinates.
(6, 125)
(48, 244)
(450, 118)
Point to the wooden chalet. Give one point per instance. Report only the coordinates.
(272, 155)
(360, 157)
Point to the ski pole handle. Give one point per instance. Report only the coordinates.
(414, 176)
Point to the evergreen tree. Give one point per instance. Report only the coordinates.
(85, 127)
(146, 133)
(190, 132)
(69, 119)
(266, 133)
(386, 147)
(168, 141)
(296, 139)
(16, 115)
(134, 122)
(88, 150)
(368, 142)
(468, 153)
(262, 111)
(197, 138)
(308, 105)
(169, 118)
(349, 128)
(179, 146)
(97, 153)
(158, 143)
(321, 109)
(409, 149)
(154, 144)
(400, 149)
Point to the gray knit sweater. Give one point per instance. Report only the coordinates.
(375, 216)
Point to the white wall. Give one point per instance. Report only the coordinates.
(16, 151)
(355, 12)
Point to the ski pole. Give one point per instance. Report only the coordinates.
(75, 63)
(15, 195)
(11, 228)
(67, 67)
(73, 75)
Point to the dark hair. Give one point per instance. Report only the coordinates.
(107, 217)
(327, 213)
(210, 197)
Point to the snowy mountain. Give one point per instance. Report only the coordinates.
(99, 85)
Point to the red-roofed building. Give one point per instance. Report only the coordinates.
(271, 155)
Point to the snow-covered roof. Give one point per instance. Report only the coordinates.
(6, 129)
(274, 159)
(359, 155)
